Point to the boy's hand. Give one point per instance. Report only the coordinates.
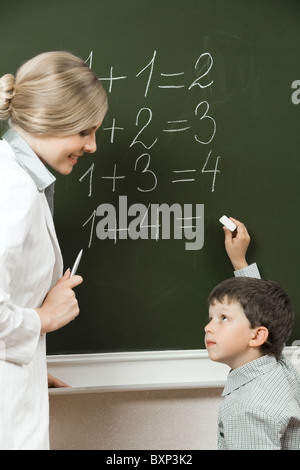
(236, 244)
(60, 305)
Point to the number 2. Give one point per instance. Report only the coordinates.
(135, 141)
(197, 81)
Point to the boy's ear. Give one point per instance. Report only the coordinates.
(260, 336)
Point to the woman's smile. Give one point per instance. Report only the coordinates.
(74, 158)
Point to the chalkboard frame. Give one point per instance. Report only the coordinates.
(246, 55)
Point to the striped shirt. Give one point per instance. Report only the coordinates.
(261, 409)
(250, 271)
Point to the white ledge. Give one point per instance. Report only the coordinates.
(149, 370)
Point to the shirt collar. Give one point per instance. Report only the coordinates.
(244, 374)
(28, 160)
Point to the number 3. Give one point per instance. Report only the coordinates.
(146, 170)
(205, 116)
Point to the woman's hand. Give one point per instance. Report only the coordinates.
(60, 305)
(53, 382)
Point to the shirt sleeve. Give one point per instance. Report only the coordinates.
(250, 271)
(20, 327)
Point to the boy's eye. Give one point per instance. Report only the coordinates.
(224, 318)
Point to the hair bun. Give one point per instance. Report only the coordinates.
(7, 92)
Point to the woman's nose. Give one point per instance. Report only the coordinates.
(90, 145)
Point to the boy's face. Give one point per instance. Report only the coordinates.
(228, 334)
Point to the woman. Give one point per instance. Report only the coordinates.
(54, 106)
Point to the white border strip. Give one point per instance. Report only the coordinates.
(147, 370)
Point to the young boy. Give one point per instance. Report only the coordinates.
(250, 321)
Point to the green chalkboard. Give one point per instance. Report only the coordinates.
(203, 114)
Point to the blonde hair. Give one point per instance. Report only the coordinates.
(55, 93)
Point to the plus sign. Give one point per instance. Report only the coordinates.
(112, 129)
(114, 178)
(111, 78)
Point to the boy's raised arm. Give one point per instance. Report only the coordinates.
(236, 244)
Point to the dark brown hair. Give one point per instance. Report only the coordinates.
(265, 303)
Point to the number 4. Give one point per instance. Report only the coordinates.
(214, 171)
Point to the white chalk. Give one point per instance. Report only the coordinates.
(228, 223)
(76, 264)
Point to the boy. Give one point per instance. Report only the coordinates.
(250, 321)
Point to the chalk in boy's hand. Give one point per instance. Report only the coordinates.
(236, 244)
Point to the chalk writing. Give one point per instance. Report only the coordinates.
(113, 129)
(111, 79)
(153, 129)
(203, 66)
(132, 222)
(197, 82)
(135, 140)
(114, 178)
(206, 116)
(146, 170)
(151, 64)
(89, 171)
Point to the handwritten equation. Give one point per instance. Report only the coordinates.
(205, 123)
(204, 62)
(144, 168)
(149, 139)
